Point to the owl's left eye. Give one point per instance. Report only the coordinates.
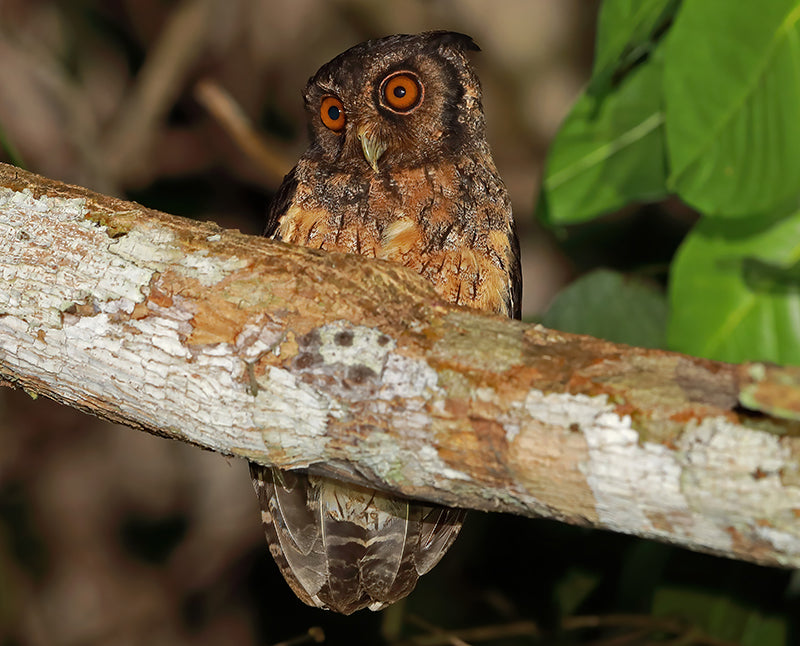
(331, 111)
(401, 92)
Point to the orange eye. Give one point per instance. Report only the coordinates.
(331, 111)
(401, 91)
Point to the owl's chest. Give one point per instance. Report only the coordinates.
(383, 216)
(421, 218)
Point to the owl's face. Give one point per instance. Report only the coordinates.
(401, 101)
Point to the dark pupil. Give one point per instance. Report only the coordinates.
(399, 91)
(334, 113)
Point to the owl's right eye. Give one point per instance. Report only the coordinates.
(401, 92)
(331, 111)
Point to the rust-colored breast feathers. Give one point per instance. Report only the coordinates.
(424, 218)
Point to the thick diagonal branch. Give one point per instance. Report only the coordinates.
(356, 368)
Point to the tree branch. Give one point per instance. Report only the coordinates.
(355, 368)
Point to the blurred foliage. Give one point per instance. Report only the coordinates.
(698, 99)
(112, 536)
(611, 306)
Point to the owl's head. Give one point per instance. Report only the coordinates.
(400, 101)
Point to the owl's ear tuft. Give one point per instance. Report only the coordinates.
(454, 40)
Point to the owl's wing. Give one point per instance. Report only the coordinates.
(344, 547)
(291, 530)
(515, 275)
(280, 203)
(439, 528)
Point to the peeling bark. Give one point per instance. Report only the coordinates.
(355, 368)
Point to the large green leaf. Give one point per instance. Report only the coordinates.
(608, 152)
(626, 32)
(735, 291)
(611, 306)
(732, 103)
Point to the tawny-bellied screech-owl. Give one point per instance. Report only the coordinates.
(398, 168)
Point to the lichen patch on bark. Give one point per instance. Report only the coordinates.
(735, 473)
(58, 271)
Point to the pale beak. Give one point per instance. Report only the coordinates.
(372, 146)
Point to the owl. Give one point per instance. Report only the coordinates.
(398, 168)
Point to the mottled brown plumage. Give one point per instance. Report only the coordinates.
(399, 169)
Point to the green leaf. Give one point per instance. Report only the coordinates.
(732, 103)
(574, 588)
(608, 152)
(720, 616)
(735, 291)
(611, 306)
(626, 32)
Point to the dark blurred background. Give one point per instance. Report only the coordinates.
(108, 535)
